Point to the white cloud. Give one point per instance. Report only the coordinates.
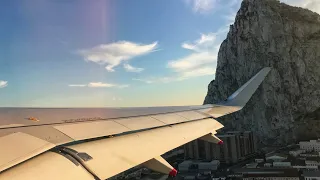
(202, 6)
(3, 84)
(99, 85)
(205, 42)
(203, 71)
(130, 68)
(77, 85)
(151, 80)
(313, 5)
(148, 81)
(116, 53)
(193, 61)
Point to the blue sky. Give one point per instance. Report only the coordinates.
(81, 53)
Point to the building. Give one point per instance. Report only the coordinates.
(252, 165)
(276, 158)
(304, 164)
(259, 160)
(312, 163)
(199, 166)
(312, 154)
(281, 164)
(237, 146)
(297, 152)
(185, 165)
(312, 145)
(212, 166)
(268, 174)
(228, 152)
(267, 165)
(310, 168)
(311, 175)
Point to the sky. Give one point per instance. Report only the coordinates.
(112, 53)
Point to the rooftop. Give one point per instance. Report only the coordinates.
(277, 156)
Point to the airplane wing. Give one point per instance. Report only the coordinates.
(98, 143)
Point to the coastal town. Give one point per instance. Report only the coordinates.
(238, 158)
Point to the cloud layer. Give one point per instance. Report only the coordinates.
(99, 85)
(114, 54)
(3, 84)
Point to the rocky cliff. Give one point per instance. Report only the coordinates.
(286, 107)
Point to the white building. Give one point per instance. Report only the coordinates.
(272, 178)
(273, 174)
(259, 160)
(312, 163)
(267, 165)
(314, 154)
(252, 165)
(184, 166)
(306, 167)
(277, 158)
(297, 152)
(213, 165)
(282, 164)
(311, 175)
(310, 145)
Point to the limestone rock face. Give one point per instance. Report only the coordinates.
(286, 107)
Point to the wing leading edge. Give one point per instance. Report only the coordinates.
(139, 139)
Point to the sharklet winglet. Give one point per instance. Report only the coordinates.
(245, 92)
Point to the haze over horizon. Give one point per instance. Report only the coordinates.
(112, 53)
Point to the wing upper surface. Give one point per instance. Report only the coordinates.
(104, 158)
(23, 117)
(63, 133)
(130, 150)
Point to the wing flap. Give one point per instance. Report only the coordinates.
(89, 130)
(170, 118)
(49, 166)
(159, 164)
(114, 155)
(192, 115)
(18, 147)
(139, 123)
